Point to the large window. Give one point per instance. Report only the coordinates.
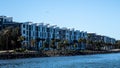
(1, 20)
(33, 33)
(39, 28)
(27, 27)
(27, 32)
(23, 31)
(31, 27)
(0, 28)
(23, 25)
(43, 29)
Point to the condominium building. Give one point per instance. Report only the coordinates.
(45, 32)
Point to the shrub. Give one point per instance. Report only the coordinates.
(20, 50)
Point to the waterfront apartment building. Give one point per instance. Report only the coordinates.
(36, 34)
(45, 32)
(7, 22)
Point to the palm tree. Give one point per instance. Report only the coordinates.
(52, 44)
(32, 43)
(91, 43)
(7, 35)
(45, 45)
(57, 41)
(88, 43)
(13, 43)
(82, 40)
(2, 41)
(75, 45)
(66, 44)
(38, 40)
(59, 45)
(99, 45)
(71, 44)
(95, 44)
(79, 42)
(20, 39)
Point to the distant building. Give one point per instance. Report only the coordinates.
(7, 21)
(108, 42)
(97, 38)
(94, 37)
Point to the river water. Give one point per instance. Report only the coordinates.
(82, 61)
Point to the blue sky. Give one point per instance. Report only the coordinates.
(99, 16)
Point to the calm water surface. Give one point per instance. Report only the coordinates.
(84, 61)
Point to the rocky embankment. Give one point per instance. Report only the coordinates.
(51, 53)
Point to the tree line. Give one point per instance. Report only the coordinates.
(10, 38)
(80, 44)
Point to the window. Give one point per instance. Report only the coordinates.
(27, 27)
(0, 28)
(37, 34)
(23, 31)
(36, 28)
(44, 34)
(31, 27)
(42, 29)
(27, 38)
(23, 25)
(39, 28)
(1, 20)
(33, 34)
(27, 32)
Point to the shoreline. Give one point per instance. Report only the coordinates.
(19, 55)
